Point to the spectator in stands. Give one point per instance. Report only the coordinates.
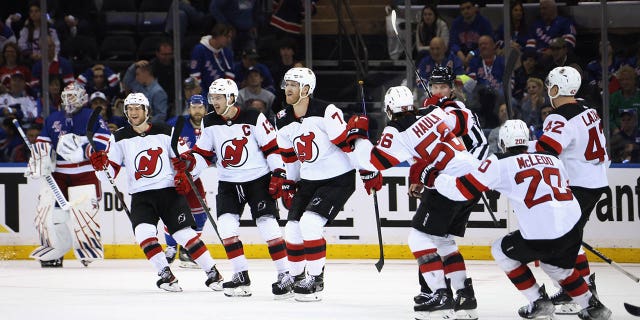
(430, 26)
(625, 143)
(6, 35)
(628, 97)
(140, 78)
(162, 66)
(438, 55)
(10, 141)
(100, 78)
(544, 112)
(487, 67)
(29, 39)
(190, 87)
(99, 99)
(211, 59)
(17, 103)
(57, 65)
(550, 26)
(559, 56)
(21, 153)
(529, 68)
(503, 116)
(253, 89)
(286, 20)
(532, 102)
(283, 63)
(520, 31)
(594, 68)
(243, 16)
(72, 18)
(466, 30)
(55, 92)
(12, 62)
(250, 60)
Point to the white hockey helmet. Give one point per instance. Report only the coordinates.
(223, 86)
(139, 99)
(74, 97)
(513, 133)
(398, 99)
(567, 79)
(303, 76)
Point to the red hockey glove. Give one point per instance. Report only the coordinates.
(180, 181)
(437, 100)
(415, 170)
(188, 159)
(178, 165)
(288, 191)
(99, 160)
(357, 128)
(421, 173)
(372, 180)
(278, 177)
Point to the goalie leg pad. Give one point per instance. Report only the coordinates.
(87, 239)
(56, 238)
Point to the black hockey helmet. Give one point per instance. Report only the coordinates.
(442, 74)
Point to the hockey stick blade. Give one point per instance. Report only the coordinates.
(633, 310)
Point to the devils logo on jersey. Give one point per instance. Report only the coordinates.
(306, 148)
(234, 152)
(148, 163)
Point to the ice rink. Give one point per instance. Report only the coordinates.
(125, 289)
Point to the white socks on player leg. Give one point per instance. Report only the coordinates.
(312, 228)
(146, 236)
(294, 241)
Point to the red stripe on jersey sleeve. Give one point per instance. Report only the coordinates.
(269, 148)
(341, 142)
(382, 160)
(461, 123)
(288, 155)
(546, 143)
(206, 154)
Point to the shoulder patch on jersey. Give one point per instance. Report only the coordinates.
(285, 117)
(570, 110)
(281, 114)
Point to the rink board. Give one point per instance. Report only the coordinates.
(613, 227)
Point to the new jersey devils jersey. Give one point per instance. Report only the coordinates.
(245, 146)
(58, 124)
(146, 156)
(535, 184)
(467, 127)
(189, 134)
(575, 132)
(427, 137)
(316, 140)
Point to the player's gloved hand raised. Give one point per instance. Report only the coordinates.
(357, 128)
(437, 100)
(99, 160)
(421, 172)
(278, 177)
(372, 180)
(289, 189)
(181, 183)
(189, 161)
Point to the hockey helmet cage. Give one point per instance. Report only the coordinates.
(442, 74)
(226, 87)
(567, 79)
(513, 133)
(303, 76)
(397, 100)
(74, 97)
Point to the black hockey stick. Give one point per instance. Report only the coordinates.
(611, 262)
(634, 310)
(380, 262)
(407, 54)
(91, 124)
(510, 65)
(57, 193)
(175, 135)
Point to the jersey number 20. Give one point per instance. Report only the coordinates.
(559, 193)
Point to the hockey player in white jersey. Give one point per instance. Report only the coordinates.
(548, 220)
(65, 132)
(575, 133)
(144, 151)
(429, 139)
(250, 171)
(321, 177)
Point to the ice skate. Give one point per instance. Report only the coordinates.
(168, 281)
(542, 308)
(283, 288)
(55, 263)
(309, 289)
(239, 286)
(465, 304)
(185, 259)
(438, 306)
(564, 303)
(214, 279)
(595, 311)
(592, 284)
(170, 253)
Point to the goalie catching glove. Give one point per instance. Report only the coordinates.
(372, 180)
(422, 173)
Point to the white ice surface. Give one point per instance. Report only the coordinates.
(125, 289)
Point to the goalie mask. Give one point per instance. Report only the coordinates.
(74, 97)
(513, 133)
(303, 76)
(566, 79)
(398, 100)
(137, 99)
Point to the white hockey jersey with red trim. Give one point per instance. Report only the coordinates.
(535, 184)
(467, 127)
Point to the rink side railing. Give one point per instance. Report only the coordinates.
(613, 227)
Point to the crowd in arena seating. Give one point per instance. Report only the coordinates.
(255, 46)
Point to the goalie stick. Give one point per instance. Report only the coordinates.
(610, 262)
(60, 199)
(634, 310)
(175, 135)
(91, 124)
(380, 262)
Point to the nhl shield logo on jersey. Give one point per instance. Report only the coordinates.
(306, 148)
(148, 163)
(234, 152)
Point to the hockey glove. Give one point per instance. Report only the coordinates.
(99, 160)
(288, 191)
(278, 177)
(178, 164)
(189, 161)
(438, 100)
(422, 173)
(180, 181)
(71, 147)
(357, 128)
(372, 180)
